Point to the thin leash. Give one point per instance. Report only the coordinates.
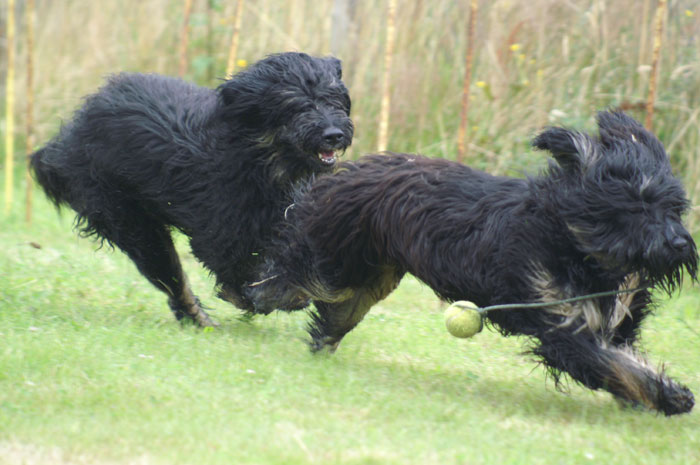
(483, 310)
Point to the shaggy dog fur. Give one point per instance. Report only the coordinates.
(147, 153)
(604, 216)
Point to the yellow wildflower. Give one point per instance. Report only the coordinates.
(514, 47)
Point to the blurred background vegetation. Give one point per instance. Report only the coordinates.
(536, 62)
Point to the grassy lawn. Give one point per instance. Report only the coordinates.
(93, 369)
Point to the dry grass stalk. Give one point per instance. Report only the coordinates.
(29, 12)
(10, 107)
(233, 50)
(292, 21)
(462, 133)
(210, 40)
(340, 25)
(185, 39)
(656, 53)
(641, 58)
(383, 136)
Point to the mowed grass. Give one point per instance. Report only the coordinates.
(94, 369)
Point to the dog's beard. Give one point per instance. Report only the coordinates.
(667, 274)
(303, 153)
(663, 272)
(659, 266)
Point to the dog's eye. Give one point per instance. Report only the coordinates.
(678, 211)
(337, 101)
(346, 106)
(648, 197)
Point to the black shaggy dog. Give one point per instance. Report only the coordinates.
(147, 153)
(605, 216)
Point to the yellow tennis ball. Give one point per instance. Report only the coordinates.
(463, 319)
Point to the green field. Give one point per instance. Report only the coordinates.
(94, 370)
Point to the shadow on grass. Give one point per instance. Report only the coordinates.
(532, 396)
(482, 386)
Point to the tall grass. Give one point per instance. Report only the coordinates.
(9, 106)
(536, 62)
(659, 18)
(235, 38)
(29, 110)
(385, 109)
(184, 38)
(466, 90)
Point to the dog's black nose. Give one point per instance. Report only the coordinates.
(679, 242)
(332, 135)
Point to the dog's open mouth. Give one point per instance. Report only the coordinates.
(327, 157)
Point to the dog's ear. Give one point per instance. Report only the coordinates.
(336, 65)
(616, 123)
(618, 130)
(239, 91)
(231, 88)
(240, 103)
(228, 94)
(573, 150)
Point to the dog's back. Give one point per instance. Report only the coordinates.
(145, 115)
(377, 210)
(127, 129)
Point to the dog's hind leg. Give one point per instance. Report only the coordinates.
(149, 245)
(161, 266)
(620, 370)
(332, 320)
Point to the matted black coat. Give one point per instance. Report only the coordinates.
(147, 153)
(605, 216)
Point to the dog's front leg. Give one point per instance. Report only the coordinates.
(186, 304)
(333, 320)
(342, 310)
(620, 370)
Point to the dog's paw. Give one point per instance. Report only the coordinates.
(203, 320)
(324, 344)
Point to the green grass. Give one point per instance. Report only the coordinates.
(93, 369)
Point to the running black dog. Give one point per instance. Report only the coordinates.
(605, 216)
(147, 153)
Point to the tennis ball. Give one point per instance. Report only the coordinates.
(463, 319)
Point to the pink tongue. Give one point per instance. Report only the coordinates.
(327, 155)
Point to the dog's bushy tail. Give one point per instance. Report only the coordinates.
(54, 185)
